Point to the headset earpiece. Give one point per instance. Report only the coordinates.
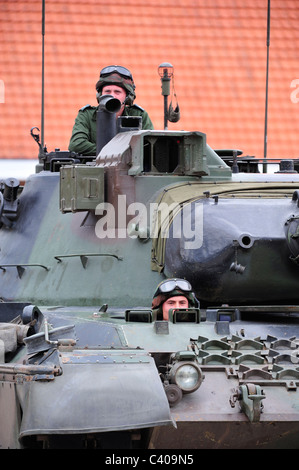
(129, 99)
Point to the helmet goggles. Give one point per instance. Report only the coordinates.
(116, 69)
(119, 76)
(171, 284)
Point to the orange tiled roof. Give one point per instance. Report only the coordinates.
(217, 47)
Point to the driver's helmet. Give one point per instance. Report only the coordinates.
(171, 288)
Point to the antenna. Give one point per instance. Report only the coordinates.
(41, 151)
(267, 85)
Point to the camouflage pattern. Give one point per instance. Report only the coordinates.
(115, 79)
(97, 368)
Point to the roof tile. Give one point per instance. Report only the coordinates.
(217, 48)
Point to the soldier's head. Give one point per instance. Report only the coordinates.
(172, 294)
(115, 79)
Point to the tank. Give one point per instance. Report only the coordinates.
(84, 243)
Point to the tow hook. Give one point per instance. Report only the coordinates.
(250, 397)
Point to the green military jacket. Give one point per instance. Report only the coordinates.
(84, 135)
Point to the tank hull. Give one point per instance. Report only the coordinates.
(84, 361)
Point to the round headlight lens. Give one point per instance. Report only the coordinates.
(187, 376)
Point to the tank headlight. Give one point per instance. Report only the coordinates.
(186, 375)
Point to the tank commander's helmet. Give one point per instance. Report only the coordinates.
(171, 288)
(119, 76)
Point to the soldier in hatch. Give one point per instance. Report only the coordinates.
(173, 294)
(117, 81)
